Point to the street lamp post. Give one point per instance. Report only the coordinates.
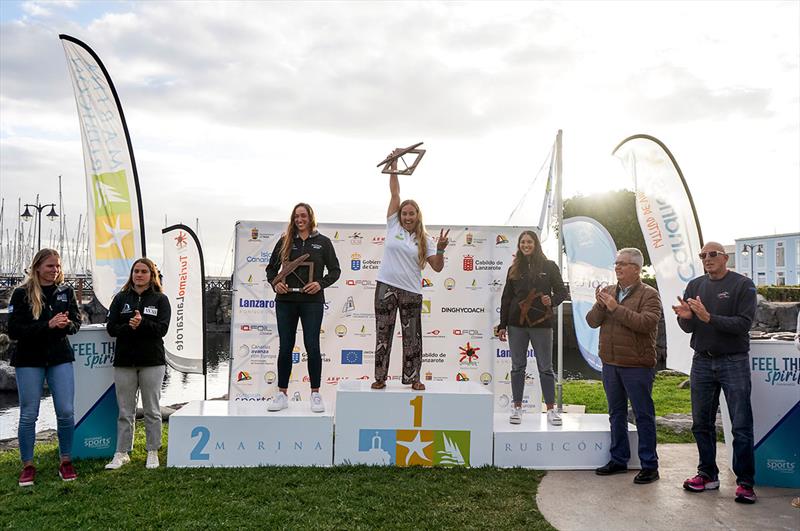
(52, 215)
(746, 250)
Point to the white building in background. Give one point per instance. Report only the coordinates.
(770, 260)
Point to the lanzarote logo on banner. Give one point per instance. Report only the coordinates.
(468, 262)
(181, 240)
(469, 355)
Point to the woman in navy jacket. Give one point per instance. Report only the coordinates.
(42, 312)
(139, 318)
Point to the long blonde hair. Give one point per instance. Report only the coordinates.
(155, 281)
(420, 233)
(288, 236)
(33, 289)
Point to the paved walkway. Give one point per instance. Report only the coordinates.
(577, 500)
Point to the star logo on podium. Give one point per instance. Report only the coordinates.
(414, 447)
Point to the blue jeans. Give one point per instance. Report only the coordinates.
(287, 315)
(636, 384)
(731, 374)
(30, 382)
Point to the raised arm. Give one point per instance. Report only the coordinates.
(394, 189)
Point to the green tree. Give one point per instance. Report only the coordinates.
(616, 211)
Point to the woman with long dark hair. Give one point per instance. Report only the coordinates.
(43, 311)
(533, 288)
(139, 318)
(301, 298)
(408, 248)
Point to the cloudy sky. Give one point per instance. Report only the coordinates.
(239, 110)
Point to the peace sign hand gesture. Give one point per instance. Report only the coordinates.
(441, 245)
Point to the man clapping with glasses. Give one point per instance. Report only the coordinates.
(717, 309)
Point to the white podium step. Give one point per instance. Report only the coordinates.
(448, 424)
(582, 442)
(210, 433)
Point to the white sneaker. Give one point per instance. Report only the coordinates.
(120, 458)
(278, 402)
(317, 405)
(152, 459)
(553, 417)
(516, 415)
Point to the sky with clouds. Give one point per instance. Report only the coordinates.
(238, 110)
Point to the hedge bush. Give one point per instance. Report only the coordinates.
(780, 293)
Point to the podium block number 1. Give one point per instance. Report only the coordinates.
(416, 403)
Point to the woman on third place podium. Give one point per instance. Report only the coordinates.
(533, 288)
(300, 298)
(139, 318)
(407, 249)
(42, 312)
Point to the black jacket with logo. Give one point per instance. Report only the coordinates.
(143, 347)
(530, 286)
(321, 254)
(38, 345)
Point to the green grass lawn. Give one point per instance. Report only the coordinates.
(352, 497)
(666, 396)
(342, 497)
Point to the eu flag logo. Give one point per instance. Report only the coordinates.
(352, 357)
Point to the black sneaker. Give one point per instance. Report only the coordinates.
(611, 468)
(646, 475)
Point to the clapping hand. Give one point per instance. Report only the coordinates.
(136, 320)
(682, 309)
(59, 320)
(699, 309)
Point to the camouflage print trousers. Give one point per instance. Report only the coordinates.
(387, 300)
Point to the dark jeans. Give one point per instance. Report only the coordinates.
(731, 374)
(636, 384)
(288, 314)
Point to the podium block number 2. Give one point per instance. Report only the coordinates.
(197, 452)
(416, 403)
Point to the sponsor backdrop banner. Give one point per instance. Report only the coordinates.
(116, 224)
(184, 286)
(95, 400)
(670, 228)
(461, 307)
(775, 397)
(590, 263)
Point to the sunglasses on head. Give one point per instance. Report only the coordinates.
(711, 254)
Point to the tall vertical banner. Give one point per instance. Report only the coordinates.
(591, 252)
(460, 308)
(183, 282)
(671, 230)
(115, 218)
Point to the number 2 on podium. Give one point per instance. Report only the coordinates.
(417, 405)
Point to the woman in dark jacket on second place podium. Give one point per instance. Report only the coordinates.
(139, 318)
